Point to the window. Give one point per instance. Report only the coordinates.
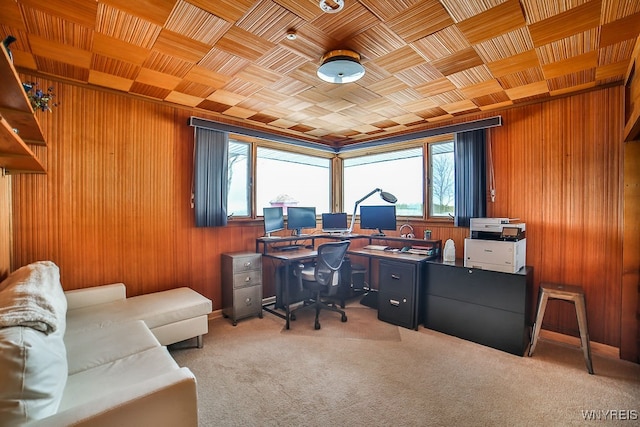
(398, 172)
(442, 178)
(238, 199)
(285, 179)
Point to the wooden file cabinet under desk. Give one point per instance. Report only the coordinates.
(487, 307)
(241, 285)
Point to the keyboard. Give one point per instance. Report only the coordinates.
(420, 251)
(376, 247)
(288, 247)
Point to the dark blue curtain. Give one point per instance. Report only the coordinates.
(210, 169)
(471, 176)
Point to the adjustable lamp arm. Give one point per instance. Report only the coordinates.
(355, 208)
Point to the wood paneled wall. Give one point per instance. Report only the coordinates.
(5, 225)
(558, 168)
(114, 205)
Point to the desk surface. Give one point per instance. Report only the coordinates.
(292, 255)
(389, 255)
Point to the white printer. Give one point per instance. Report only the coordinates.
(496, 244)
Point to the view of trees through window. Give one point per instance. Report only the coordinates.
(442, 179)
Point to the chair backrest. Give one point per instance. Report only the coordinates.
(330, 258)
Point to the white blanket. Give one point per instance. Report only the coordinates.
(32, 296)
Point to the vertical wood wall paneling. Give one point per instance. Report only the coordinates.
(114, 205)
(630, 330)
(557, 168)
(5, 226)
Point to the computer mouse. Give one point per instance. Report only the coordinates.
(405, 249)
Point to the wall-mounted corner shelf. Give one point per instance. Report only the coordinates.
(16, 114)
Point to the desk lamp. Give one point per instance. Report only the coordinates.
(387, 197)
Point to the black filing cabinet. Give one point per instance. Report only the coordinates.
(241, 285)
(488, 307)
(398, 293)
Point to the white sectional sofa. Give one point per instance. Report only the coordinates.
(92, 356)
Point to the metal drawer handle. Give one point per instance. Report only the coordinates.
(395, 277)
(248, 301)
(247, 279)
(394, 302)
(247, 264)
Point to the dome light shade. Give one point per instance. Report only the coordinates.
(341, 66)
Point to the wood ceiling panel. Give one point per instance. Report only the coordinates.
(501, 19)
(244, 44)
(399, 60)
(376, 41)
(229, 10)
(457, 62)
(207, 77)
(420, 20)
(58, 30)
(580, 62)
(442, 43)
(461, 10)
(354, 18)
(514, 64)
(505, 46)
(626, 28)
(418, 55)
(306, 9)
(158, 79)
(59, 52)
(174, 44)
(114, 48)
(167, 64)
(109, 80)
(197, 24)
(79, 11)
(156, 11)
(573, 21)
(114, 67)
(269, 21)
(118, 24)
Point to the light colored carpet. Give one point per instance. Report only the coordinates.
(358, 325)
(256, 374)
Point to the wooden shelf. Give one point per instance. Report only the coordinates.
(14, 153)
(16, 113)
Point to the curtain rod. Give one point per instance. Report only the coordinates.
(459, 127)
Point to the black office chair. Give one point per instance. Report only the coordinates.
(323, 279)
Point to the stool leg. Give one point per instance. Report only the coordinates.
(542, 306)
(581, 312)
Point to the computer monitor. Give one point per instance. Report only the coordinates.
(299, 217)
(273, 220)
(378, 218)
(334, 222)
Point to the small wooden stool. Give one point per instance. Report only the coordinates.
(567, 293)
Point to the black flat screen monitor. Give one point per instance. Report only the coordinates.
(378, 218)
(299, 217)
(334, 222)
(273, 220)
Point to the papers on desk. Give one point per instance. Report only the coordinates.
(376, 247)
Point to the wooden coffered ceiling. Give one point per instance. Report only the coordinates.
(426, 61)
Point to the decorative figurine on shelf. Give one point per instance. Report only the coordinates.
(40, 100)
(6, 42)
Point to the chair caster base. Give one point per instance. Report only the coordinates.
(344, 318)
(317, 325)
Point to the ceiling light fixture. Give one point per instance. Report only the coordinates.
(331, 6)
(341, 66)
